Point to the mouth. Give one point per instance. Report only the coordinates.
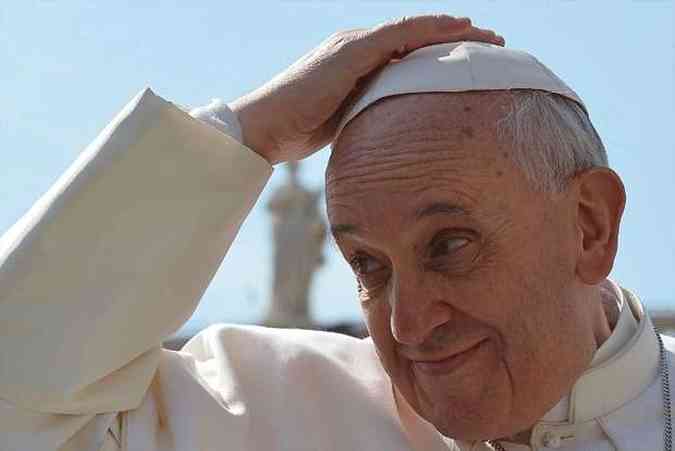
(448, 364)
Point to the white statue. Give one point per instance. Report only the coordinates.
(299, 235)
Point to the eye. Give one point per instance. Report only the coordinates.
(371, 275)
(447, 245)
(364, 265)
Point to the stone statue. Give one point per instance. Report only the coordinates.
(299, 234)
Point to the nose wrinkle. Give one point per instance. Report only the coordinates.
(435, 343)
(438, 340)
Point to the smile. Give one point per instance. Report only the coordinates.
(448, 364)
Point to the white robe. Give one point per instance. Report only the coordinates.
(114, 258)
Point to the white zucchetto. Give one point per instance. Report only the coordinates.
(459, 67)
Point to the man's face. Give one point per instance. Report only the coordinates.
(467, 275)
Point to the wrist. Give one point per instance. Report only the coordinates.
(254, 130)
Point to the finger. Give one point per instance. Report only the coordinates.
(477, 36)
(412, 33)
(375, 47)
(416, 31)
(472, 34)
(483, 35)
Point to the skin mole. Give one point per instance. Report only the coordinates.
(467, 131)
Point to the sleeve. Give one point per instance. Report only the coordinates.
(219, 114)
(115, 256)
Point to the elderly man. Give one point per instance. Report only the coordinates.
(468, 191)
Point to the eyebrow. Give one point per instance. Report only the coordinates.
(437, 208)
(343, 229)
(440, 208)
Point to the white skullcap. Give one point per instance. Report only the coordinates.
(458, 67)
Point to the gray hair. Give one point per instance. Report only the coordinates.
(552, 138)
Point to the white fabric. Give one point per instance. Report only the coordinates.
(219, 114)
(459, 67)
(115, 257)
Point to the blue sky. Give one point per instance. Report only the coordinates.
(69, 66)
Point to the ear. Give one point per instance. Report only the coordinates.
(601, 199)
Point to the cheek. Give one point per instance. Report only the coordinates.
(377, 317)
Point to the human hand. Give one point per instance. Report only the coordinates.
(297, 112)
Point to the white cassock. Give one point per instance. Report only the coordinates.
(115, 257)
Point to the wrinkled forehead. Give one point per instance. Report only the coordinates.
(434, 112)
(404, 147)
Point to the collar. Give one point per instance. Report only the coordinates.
(622, 368)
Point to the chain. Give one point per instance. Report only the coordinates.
(665, 385)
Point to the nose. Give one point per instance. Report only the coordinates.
(417, 309)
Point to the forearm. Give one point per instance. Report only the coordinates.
(116, 256)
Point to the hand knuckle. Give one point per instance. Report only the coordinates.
(393, 23)
(403, 21)
(338, 35)
(344, 41)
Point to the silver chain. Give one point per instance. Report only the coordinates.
(665, 385)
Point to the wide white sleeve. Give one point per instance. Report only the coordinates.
(115, 257)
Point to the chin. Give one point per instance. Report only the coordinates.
(466, 423)
(470, 410)
(487, 418)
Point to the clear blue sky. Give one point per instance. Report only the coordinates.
(69, 66)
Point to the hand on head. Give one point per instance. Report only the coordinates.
(297, 112)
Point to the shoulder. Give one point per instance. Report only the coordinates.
(256, 387)
(242, 334)
(284, 351)
(299, 372)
